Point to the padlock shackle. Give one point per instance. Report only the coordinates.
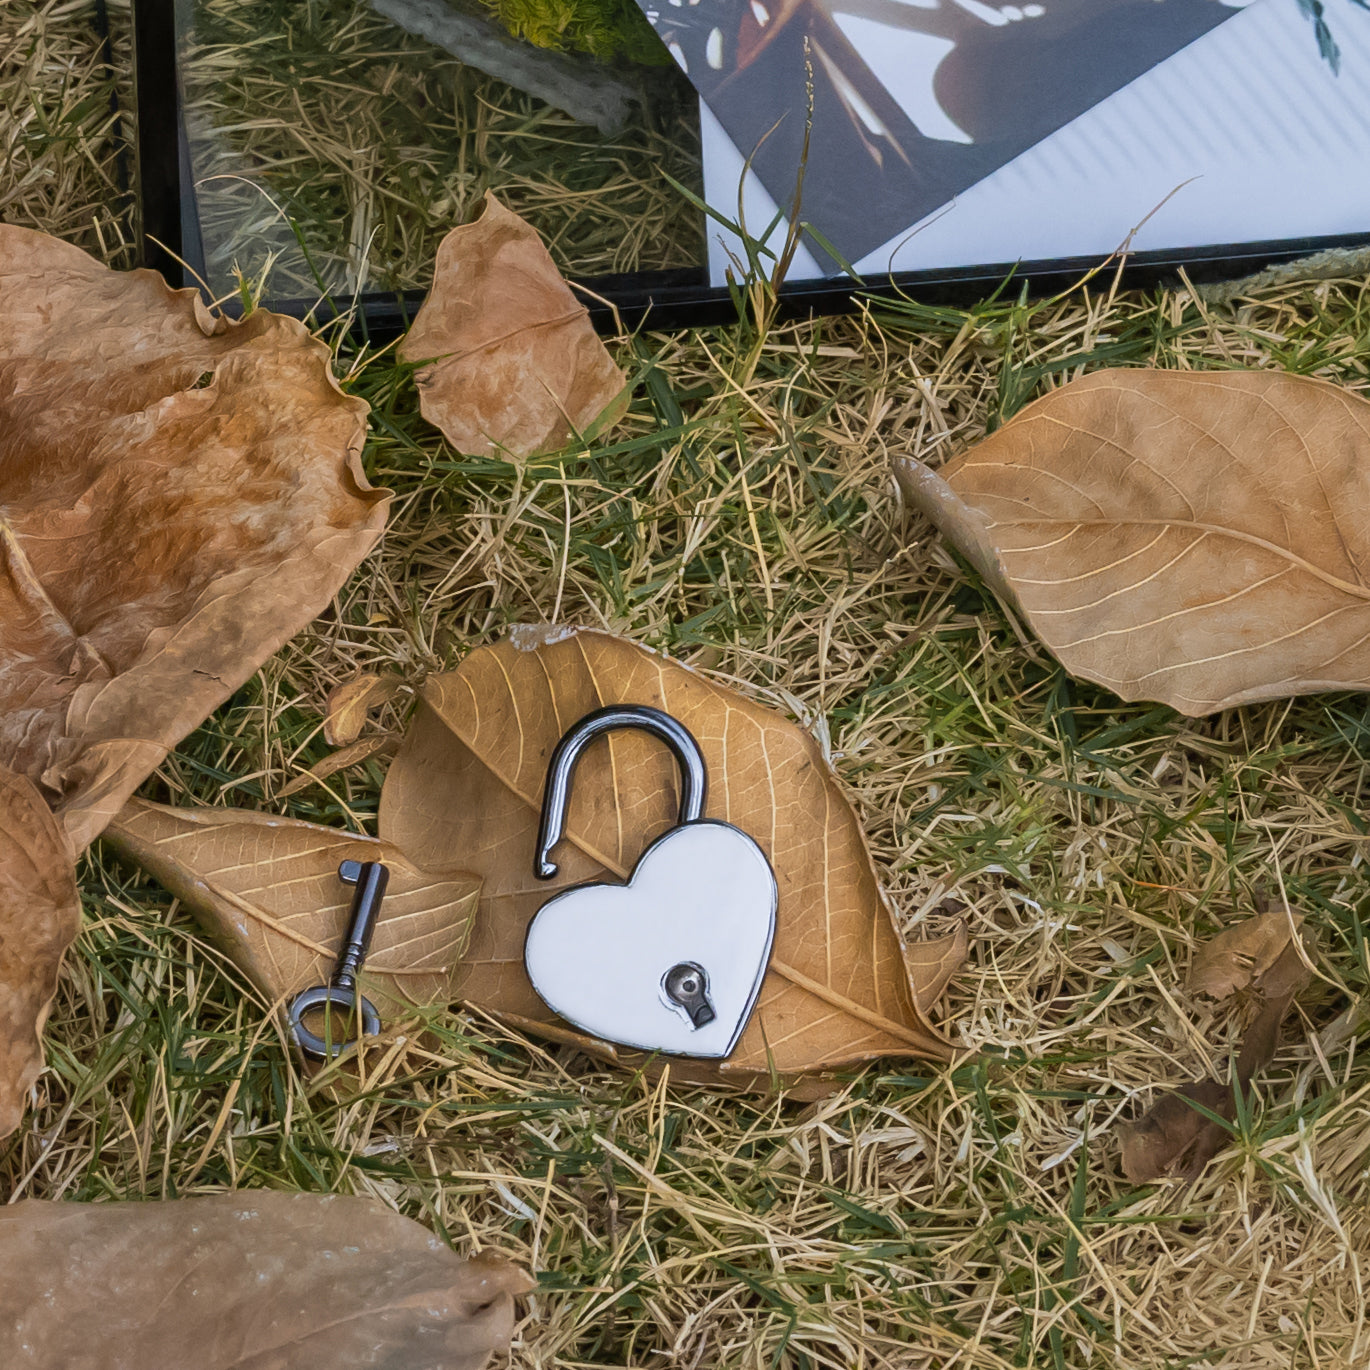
(557, 792)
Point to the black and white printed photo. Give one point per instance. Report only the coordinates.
(895, 108)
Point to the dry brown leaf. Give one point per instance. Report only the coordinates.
(267, 890)
(259, 1280)
(40, 914)
(516, 366)
(1173, 1137)
(467, 785)
(962, 526)
(382, 744)
(348, 705)
(178, 496)
(1193, 538)
(932, 963)
(1241, 954)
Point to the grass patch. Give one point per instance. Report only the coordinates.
(743, 517)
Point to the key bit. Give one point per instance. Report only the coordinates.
(687, 984)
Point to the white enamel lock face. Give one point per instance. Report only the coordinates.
(644, 964)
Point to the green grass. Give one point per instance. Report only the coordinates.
(742, 517)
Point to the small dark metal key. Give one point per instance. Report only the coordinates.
(370, 878)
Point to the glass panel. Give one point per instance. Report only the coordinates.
(331, 149)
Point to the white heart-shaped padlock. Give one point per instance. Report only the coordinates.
(673, 960)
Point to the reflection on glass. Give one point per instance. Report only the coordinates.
(331, 150)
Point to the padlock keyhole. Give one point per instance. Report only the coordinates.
(687, 986)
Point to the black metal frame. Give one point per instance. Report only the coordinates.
(170, 237)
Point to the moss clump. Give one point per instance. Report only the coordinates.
(611, 30)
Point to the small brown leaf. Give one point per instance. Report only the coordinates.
(1188, 537)
(1174, 1138)
(349, 704)
(258, 1280)
(468, 785)
(933, 963)
(516, 366)
(1279, 987)
(1241, 954)
(382, 744)
(40, 914)
(267, 890)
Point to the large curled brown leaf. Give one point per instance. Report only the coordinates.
(261, 1280)
(1175, 1138)
(178, 496)
(39, 916)
(1195, 538)
(467, 786)
(267, 890)
(516, 365)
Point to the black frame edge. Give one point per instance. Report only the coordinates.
(159, 137)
